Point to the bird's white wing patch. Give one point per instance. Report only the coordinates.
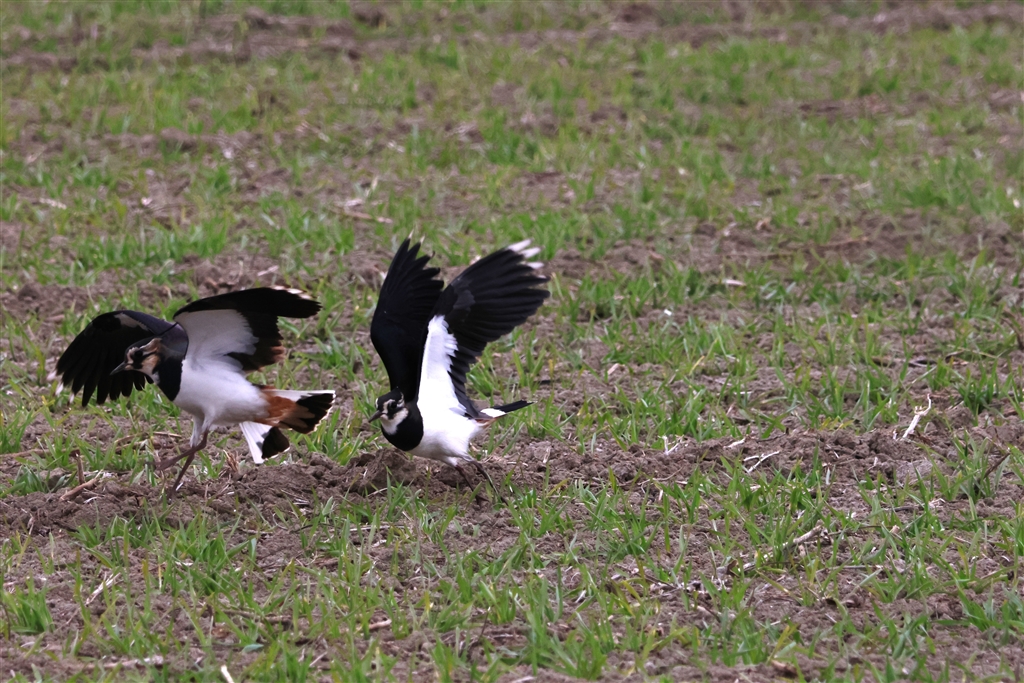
(214, 334)
(436, 387)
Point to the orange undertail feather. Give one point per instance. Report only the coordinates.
(301, 411)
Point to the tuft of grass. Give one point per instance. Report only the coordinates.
(25, 610)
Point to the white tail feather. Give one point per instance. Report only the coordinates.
(254, 436)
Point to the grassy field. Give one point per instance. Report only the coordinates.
(778, 389)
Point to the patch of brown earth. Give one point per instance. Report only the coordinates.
(833, 110)
(858, 240)
(643, 471)
(266, 36)
(227, 271)
(626, 258)
(530, 464)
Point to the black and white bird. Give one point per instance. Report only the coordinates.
(200, 361)
(428, 339)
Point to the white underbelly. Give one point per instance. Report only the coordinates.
(446, 434)
(217, 395)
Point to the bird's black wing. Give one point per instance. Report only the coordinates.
(485, 302)
(99, 348)
(399, 328)
(243, 325)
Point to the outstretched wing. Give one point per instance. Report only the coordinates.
(399, 328)
(242, 325)
(485, 302)
(90, 358)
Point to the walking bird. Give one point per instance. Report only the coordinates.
(200, 362)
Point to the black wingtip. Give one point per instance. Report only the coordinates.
(283, 302)
(303, 305)
(292, 303)
(510, 407)
(88, 360)
(408, 259)
(404, 306)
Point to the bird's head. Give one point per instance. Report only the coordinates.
(391, 410)
(143, 357)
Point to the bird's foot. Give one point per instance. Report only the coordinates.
(171, 489)
(188, 456)
(482, 470)
(231, 466)
(165, 463)
(162, 464)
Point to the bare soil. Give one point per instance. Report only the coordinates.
(218, 38)
(643, 471)
(851, 458)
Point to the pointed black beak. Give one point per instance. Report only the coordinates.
(376, 415)
(119, 368)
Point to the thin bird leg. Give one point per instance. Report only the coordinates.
(161, 465)
(458, 468)
(191, 453)
(465, 478)
(483, 470)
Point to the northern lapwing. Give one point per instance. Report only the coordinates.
(428, 339)
(200, 361)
